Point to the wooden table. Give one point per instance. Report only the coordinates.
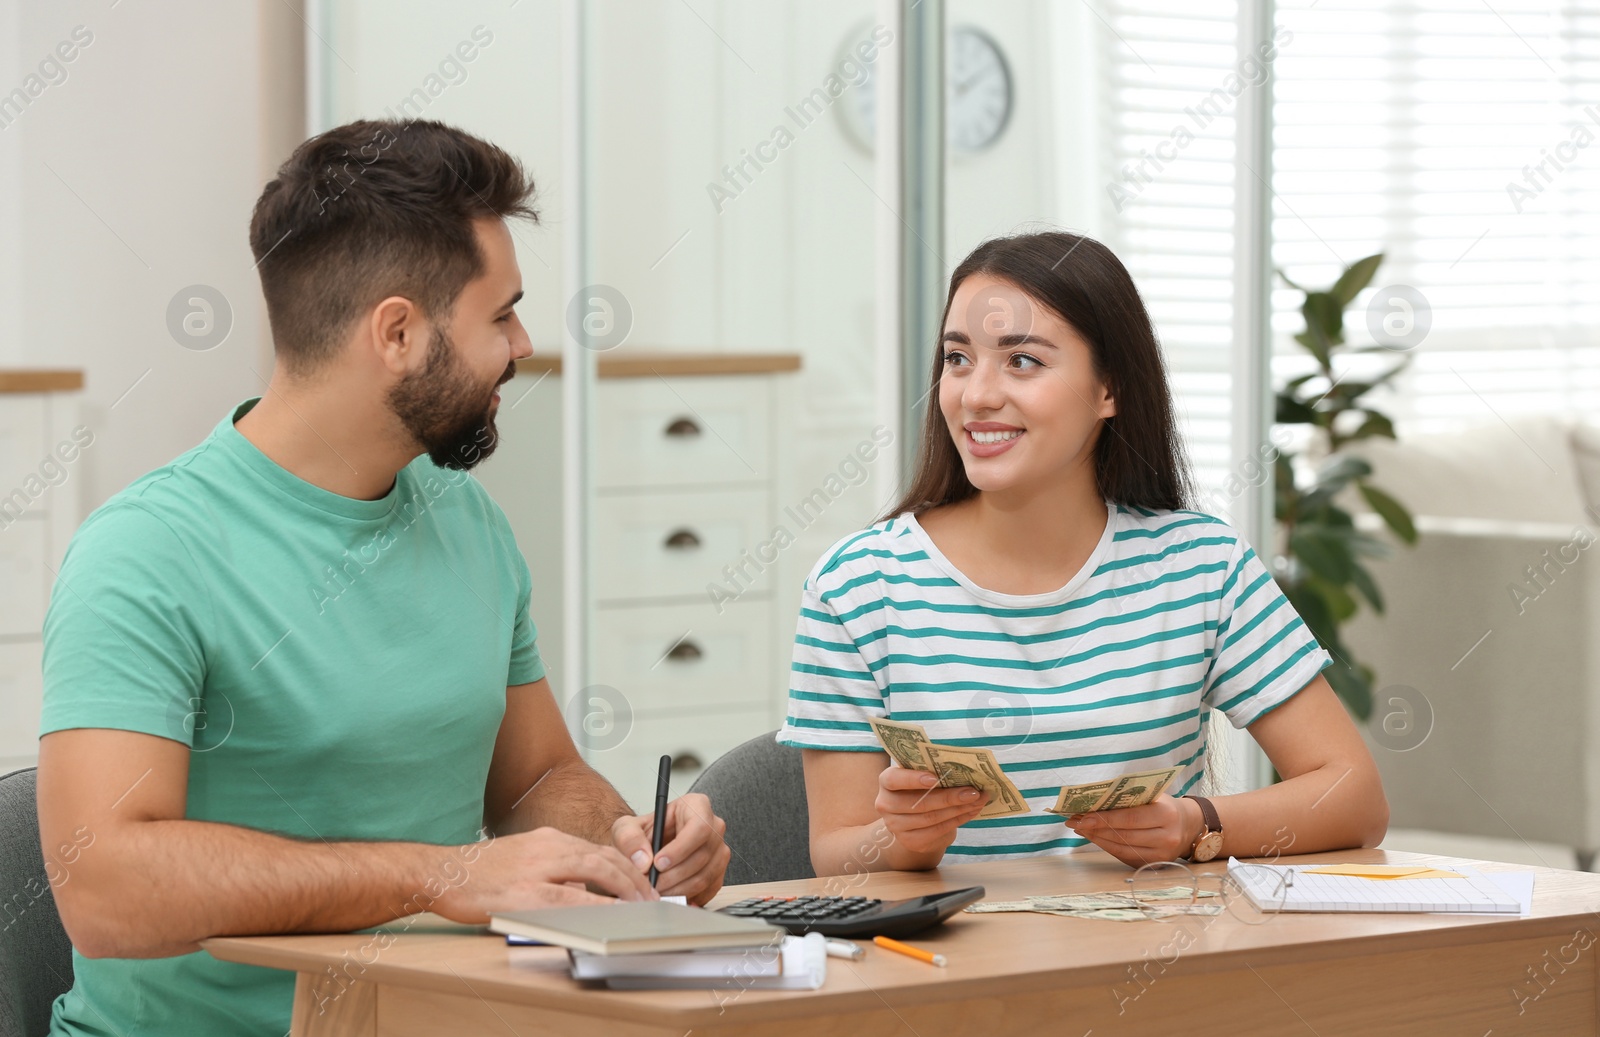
(1319, 975)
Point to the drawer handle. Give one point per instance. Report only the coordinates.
(682, 540)
(684, 428)
(685, 651)
(686, 761)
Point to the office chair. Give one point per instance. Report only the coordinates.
(759, 789)
(35, 954)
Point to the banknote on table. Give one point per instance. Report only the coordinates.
(953, 765)
(1130, 790)
(1116, 907)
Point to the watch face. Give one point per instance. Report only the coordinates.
(1208, 846)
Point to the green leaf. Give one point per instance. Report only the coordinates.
(1363, 581)
(1286, 280)
(1339, 601)
(1338, 519)
(1324, 325)
(1342, 468)
(1394, 513)
(1327, 556)
(1315, 612)
(1375, 424)
(1285, 497)
(1335, 474)
(1350, 390)
(1356, 277)
(1291, 411)
(1369, 546)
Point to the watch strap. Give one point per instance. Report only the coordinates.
(1210, 821)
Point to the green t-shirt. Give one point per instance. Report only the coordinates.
(338, 668)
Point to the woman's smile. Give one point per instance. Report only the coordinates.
(990, 438)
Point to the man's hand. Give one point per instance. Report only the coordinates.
(693, 857)
(541, 868)
(922, 817)
(1163, 829)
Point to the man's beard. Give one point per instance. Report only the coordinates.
(445, 410)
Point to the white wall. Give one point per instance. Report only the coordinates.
(787, 265)
(130, 179)
(10, 199)
(156, 139)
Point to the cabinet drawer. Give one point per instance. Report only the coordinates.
(659, 545)
(22, 574)
(693, 741)
(685, 656)
(682, 431)
(22, 449)
(21, 692)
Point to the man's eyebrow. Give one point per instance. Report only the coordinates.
(514, 300)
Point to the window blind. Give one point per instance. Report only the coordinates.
(1462, 140)
(1170, 82)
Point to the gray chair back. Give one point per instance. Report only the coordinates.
(759, 789)
(35, 954)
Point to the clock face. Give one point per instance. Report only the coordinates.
(978, 103)
(978, 96)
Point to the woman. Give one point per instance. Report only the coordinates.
(1040, 592)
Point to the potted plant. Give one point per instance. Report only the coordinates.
(1319, 550)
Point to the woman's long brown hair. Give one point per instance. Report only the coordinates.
(1139, 459)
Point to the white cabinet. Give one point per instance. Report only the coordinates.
(41, 475)
(690, 620)
(671, 544)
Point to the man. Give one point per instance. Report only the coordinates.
(291, 681)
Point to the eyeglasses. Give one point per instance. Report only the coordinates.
(1165, 890)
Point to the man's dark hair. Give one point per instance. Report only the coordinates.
(372, 209)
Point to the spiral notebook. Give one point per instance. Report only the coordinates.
(1303, 890)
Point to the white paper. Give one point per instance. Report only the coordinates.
(1473, 893)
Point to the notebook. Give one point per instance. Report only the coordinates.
(799, 963)
(1469, 893)
(716, 963)
(635, 927)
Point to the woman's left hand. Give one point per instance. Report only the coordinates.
(1162, 830)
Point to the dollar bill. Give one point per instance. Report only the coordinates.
(957, 765)
(904, 742)
(1110, 914)
(989, 907)
(1120, 907)
(1130, 790)
(1080, 799)
(953, 765)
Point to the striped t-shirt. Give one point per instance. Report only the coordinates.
(1112, 673)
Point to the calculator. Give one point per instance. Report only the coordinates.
(855, 916)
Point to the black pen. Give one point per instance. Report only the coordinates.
(662, 777)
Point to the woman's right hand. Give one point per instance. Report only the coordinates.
(921, 816)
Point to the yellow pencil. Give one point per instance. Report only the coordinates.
(909, 951)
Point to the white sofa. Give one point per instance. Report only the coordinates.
(1491, 620)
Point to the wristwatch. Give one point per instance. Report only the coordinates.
(1209, 842)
